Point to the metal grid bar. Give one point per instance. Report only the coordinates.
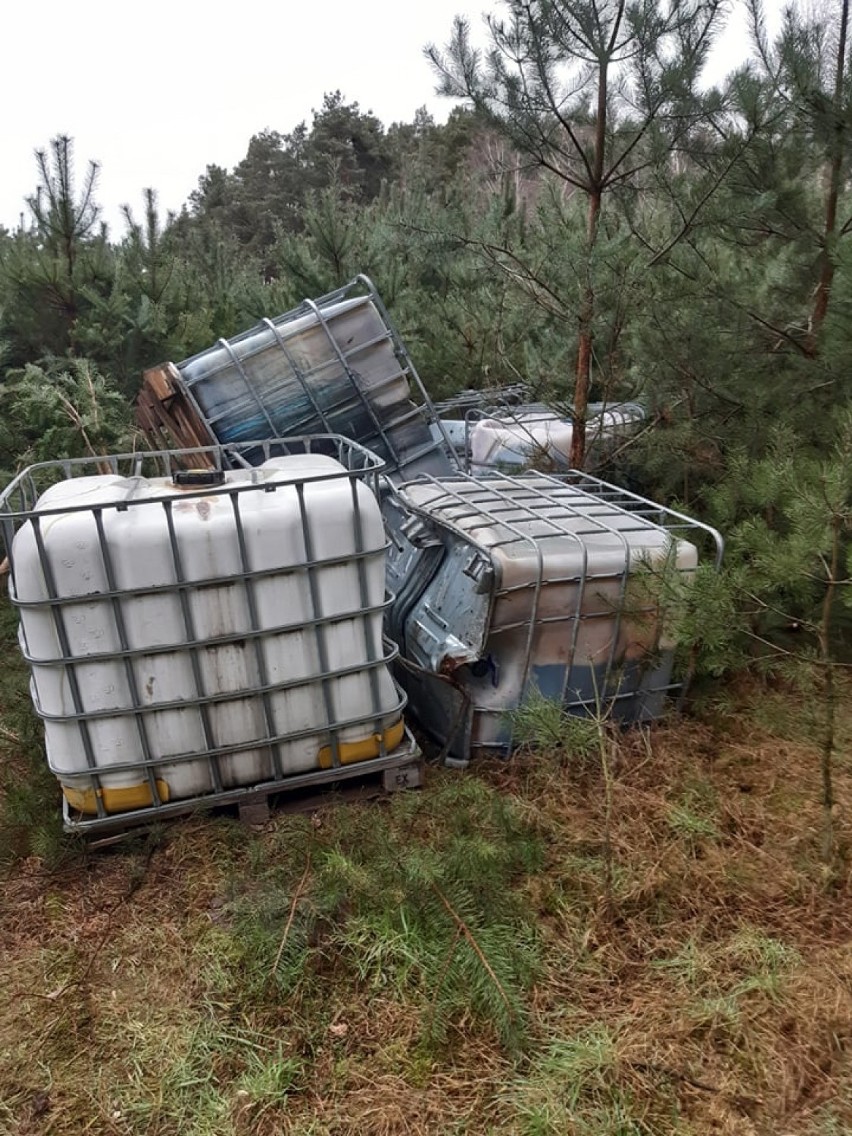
(343, 360)
(612, 531)
(235, 360)
(494, 502)
(58, 616)
(488, 488)
(431, 416)
(669, 518)
(202, 699)
(211, 641)
(198, 678)
(321, 640)
(406, 754)
(233, 749)
(300, 376)
(367, 621)
(505, 398)
(127, 662)
(19, 498)
(414, 409)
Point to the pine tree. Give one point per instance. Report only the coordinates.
(790, 568)
(806, 72)
(595, 93)
(54, 268)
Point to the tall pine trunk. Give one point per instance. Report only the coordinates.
(822, 294)
(582, 379)
(583, 374)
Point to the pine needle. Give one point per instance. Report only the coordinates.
(468, 934)
(296, 896)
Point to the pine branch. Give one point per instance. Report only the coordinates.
(690, 220)
(468, 934)
(296, 897)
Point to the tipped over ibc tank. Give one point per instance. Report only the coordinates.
(195, 635)
(331, 365)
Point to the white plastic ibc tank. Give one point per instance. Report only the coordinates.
(202, 679)
(525, 436)
(514, 441)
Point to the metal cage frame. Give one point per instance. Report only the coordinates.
(526, 509)
(417, 409)
(18, 507)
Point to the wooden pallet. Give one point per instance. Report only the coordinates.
(165, 414)
(254, 808)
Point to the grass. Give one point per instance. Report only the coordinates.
(30, 821)
(473, 958)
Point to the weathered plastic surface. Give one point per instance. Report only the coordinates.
(529, 435)
(332, 365)
(508, 585)
(189, 641)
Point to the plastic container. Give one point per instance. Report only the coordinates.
(533, 436)
(331, 365)
(509, 586)
(195, 638)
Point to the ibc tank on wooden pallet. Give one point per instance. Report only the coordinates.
(197, 637)
(506, 586)
(332, 365)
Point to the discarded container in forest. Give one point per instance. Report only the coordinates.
(454, 414)
(332, 365)
(509, 585)
(195, 637)
(504, 585)
(532, 435)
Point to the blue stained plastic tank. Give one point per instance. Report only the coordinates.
(333, 365)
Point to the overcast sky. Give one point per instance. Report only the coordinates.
(155, 92)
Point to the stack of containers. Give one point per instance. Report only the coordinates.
(195, 637)
(504, 585)
(199, 637)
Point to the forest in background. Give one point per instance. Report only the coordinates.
(591, 219)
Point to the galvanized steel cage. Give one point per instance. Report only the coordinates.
(333, 365)
(392, 747)
(499, 581)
